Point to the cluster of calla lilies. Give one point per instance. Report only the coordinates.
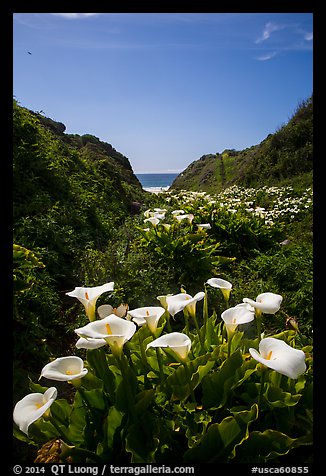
(116, 326)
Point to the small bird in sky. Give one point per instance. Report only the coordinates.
(29, 52)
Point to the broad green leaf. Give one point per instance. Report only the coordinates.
(61, 410)
(219, 443)
(267, 445)
(143, 400)
(42, 431)
(113, 428)
(94, 399)
(98, 362)
(278, 398)
(217, 385)
(141, 440)
(181, 382)
(78, 422)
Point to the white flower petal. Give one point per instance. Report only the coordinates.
(32, 407)
(219, 283)
(176, 341)
(281, 357)
(83, 343)
(64, 369)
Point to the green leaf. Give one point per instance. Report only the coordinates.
(178, 385)
(267, 445)
(94, 398)
(98, 362)
(61, 410)
(217, 385)
(78, 422)
(219, 443)
(143, 400)
(278, 398)
(141, 440)
(113, 425)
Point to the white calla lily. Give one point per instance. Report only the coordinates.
(177, 341)
(204, 226)
(32, 407)
(179, 302)
(222, 284)
(149, 315)
(187, 216)
(268, 303)
(152, 220)
(64, 369)
(281, 357)
(234, 316)
(114, 330)
(89, 296)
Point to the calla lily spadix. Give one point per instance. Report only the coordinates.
(268, 303)
(106, 309)
(64, 369)
(149, 315)
(89, 296)
(281, 357)
(222, 284)
(234, 316)
(32, 407)
(114, 330)
(178, 302)
(177, 341)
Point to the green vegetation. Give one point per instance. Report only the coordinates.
(81, 219)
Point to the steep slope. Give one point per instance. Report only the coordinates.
(283, 157)
(70, 191)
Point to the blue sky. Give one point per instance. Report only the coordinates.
(165, 88)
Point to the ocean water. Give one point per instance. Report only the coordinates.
(156, 182)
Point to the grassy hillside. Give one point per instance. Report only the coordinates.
(70, 195)
(283, 158)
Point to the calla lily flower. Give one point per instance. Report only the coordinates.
(222, 284)
(177, 341)
(240, 314)
(268, 303)
(106, 309)
(64, 369)
(89, 296)
(90, 344)
(162, 300)
(204, 226)
(186, 216)
(278, 355)
(177, 212)
(178, 302)
(114, 330)
(160, 210)
(149, 315)
(152, 220)
(32, 407)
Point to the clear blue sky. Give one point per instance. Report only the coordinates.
(165, 88)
